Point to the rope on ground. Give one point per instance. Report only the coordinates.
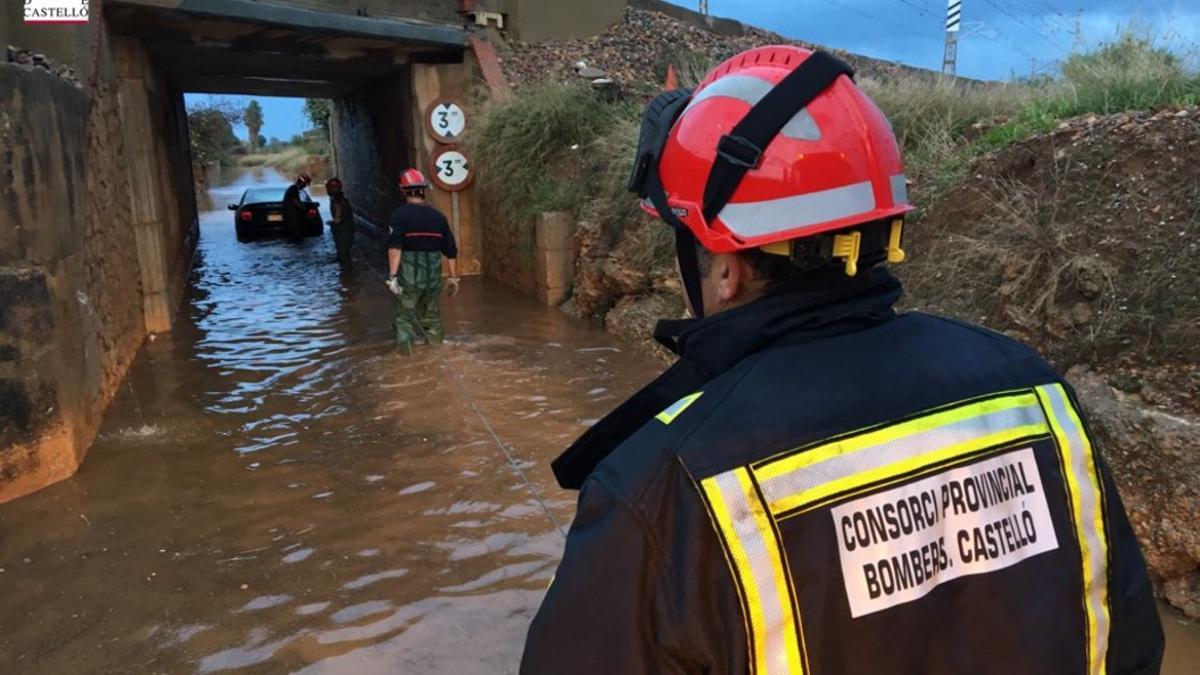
(466, 395)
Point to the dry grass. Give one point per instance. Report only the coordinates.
(292, 160)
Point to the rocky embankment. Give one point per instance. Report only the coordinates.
(1083, 243)
(635, 52)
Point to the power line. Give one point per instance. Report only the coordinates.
(855, 10)
(920, 10)
(1026, 25)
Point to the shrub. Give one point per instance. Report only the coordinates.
(536, 151)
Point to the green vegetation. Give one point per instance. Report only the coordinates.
(317, 110)
(210, 126)
(253, 116)
(560, 147)
(538, 151)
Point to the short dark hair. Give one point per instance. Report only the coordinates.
(811, 263)
(778, 270)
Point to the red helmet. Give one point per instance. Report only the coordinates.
(333, 185)
(413, 180)
(771, 148)
(304, 178)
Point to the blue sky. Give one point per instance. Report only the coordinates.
(1000, 38)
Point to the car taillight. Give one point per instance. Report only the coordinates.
(246, 215)
(312, 213)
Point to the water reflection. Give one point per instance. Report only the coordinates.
(277, 490)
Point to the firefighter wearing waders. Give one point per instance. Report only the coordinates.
(821, 484)
(342, 223)
(419, 238)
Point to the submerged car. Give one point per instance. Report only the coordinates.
(260, 214)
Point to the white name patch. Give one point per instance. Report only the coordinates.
(897, 546)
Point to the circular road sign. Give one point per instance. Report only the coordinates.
(446, 120)
(451, 169)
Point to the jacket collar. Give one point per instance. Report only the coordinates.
(711, 346)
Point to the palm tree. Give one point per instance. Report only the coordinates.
(254, 121)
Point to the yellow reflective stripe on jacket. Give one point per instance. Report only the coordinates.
(812, 475)
(747, 522)
(676, 409)
(760, 565)
(1087, 507)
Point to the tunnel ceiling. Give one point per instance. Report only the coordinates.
(245, 47)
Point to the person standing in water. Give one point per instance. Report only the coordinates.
(419, 237)
(342, 223)
(293, 206)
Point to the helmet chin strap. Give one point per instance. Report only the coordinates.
(689, 269)
(685, 243)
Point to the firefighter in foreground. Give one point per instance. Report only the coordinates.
(419, 237)
(342, 224)
(821, 484)
(293, 206)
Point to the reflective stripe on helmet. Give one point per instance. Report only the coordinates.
(899, 189)
(751, 90)
(1087, 504)
(756, 219)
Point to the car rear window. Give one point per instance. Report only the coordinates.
(259, 195)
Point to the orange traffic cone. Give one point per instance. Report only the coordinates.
(672, 82)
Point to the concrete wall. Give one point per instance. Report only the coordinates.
(371, 138)
(160, 188)
(68, 328)
(511, 249)
(542, 20)
(89, 148)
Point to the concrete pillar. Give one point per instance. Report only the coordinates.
(429, 83)
(146, 189)
(554, 256)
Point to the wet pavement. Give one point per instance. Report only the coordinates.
(275, 490)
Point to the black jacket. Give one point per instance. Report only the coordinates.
(841, 489)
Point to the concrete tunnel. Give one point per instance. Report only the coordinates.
(100, 219)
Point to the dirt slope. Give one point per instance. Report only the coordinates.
(1084, 243)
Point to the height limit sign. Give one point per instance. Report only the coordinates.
(451, 169)
(446, 121)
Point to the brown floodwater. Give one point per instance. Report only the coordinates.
(275, 490)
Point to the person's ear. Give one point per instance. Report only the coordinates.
(727, 268)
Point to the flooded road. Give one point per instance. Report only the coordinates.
(276, 490)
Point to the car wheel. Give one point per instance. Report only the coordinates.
(243, 235)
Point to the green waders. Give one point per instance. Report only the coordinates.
(419, 306)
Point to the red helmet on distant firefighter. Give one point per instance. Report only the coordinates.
(832, 164)
(413, 181)
(305, 179)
